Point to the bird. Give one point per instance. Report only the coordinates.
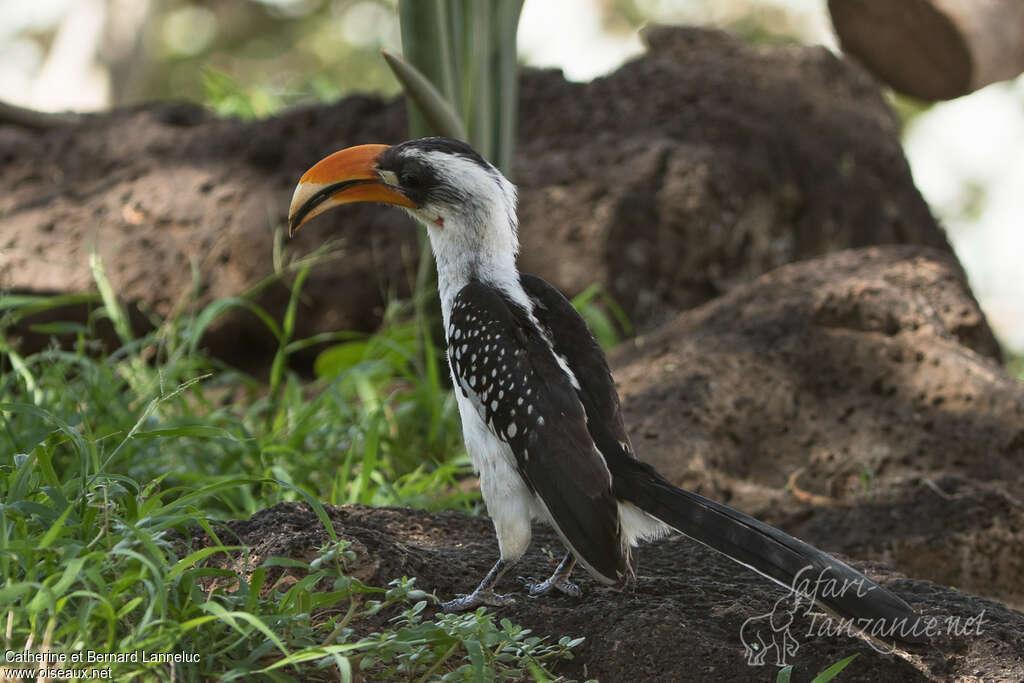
(541, 417)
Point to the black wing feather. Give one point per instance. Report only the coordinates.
(573, 340)
(506, 365)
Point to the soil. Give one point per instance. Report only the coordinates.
(688, 171)
(681, 622)
(776, 399)
(855, 400)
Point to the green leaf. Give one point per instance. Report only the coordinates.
(232, 618)
(506, 77)
(54, 531)
(28, 304)
(833, 671)
(476, 659)
(181, 565)
(436, 110)
(59, 328)
(12, 591)
(275, 561)
(19, 366)
(216, 308)
(310, 654)
(110, 303)
(71, 574)
(429, 42)
(46, 416)
(594, 305)
(194, 431)
(340, 358)
(390, 349)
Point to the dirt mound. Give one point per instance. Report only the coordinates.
(694, 168)
(704, 164)
(842, 398)
(852, 400)
(684, 621)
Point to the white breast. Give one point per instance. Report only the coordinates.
(510, 504)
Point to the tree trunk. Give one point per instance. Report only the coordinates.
(934, 49)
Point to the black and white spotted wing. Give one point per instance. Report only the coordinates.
(503, 363)
(573, 340)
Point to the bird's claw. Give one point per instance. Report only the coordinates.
(559, 583)
(463, 601)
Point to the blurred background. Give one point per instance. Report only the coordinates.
(251, 58)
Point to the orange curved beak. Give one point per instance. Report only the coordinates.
(345, 177)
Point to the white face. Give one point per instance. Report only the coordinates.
(468, 206)
(460, 190)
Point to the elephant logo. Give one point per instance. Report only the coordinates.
(765, 632)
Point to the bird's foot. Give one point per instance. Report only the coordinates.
(463, 602)
(560, 583)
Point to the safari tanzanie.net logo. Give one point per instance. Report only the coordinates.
(775, 636)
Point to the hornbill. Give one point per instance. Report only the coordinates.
(540, 414)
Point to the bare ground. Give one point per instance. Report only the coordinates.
(682, 622)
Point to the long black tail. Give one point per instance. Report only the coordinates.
(768, 551)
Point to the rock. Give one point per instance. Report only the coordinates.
(684, 173)
(683, 620)
(855, 400)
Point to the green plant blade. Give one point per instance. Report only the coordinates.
(505, 74)
(834, 670)
(441, 118)
(429, 42)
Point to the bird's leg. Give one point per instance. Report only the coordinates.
(559, 580)
(484, 593)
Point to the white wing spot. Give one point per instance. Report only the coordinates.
(512, 429)
(494, 405)
(540, 421)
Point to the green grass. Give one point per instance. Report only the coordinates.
(824, 676)
(104, 456)
(1015, 364)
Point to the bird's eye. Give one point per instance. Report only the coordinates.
(410, 179)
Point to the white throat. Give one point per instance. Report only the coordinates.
(462, 256)
(477, 239)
